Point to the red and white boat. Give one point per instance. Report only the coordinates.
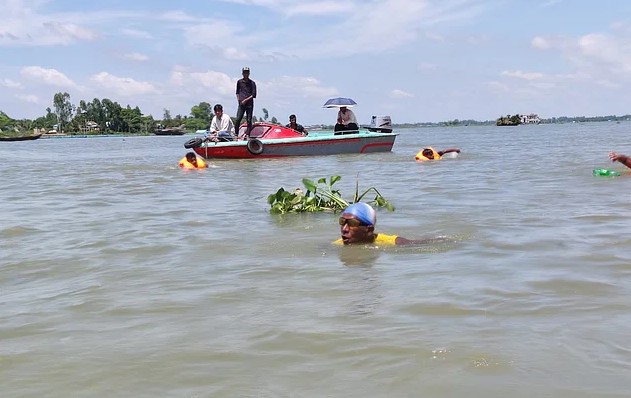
(269, 140)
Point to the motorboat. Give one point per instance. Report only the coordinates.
(171, 131)
(268, 140)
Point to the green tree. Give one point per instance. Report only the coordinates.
(202, 111)
(113, 117)
(132, 119)
(63, 109)
(166, 118)
(5, 121)
(46, 122)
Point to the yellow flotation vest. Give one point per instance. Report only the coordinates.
(185, 164)
(421, 158)
(380, 239)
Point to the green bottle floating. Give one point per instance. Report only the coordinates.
(606, 173)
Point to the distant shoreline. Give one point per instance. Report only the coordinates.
(463, 123)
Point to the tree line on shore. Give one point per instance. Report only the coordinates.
(104, 116)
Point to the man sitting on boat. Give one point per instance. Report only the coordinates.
(346, 121)
(357, 226)
(295, 126)
(190, 161)
(221, 127)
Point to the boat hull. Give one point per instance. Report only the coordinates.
(170, 132)
(315, 144)
(21, 138)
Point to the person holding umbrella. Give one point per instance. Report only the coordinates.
(346, 121)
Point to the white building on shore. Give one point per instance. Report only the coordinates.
(532, 118)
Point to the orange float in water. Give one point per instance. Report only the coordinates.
(428, 153)
(190, 161)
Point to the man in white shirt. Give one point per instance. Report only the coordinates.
(221, 127)
(346, 121)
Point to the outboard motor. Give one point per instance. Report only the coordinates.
(382, 124)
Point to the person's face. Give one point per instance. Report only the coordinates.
(219, 112)
(193, 161)
(246, 74)
(292, 120)
(354, 231)
(428, 153)
(343, 109)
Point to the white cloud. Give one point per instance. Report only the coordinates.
(319, 8)
(136, 57)
(433, 36)
(217, 83)
(66, 33)
(396, 93)
(540, 43)
(177, 16)
(214, 36)
(32, 99)
(10, 83)
(123, 86)
(136, 34)
(551, 3)
(47, 76)
(310, 87)
(498, 87)
(522, 75)
(426, 66)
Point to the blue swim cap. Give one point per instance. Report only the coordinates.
(363, 212)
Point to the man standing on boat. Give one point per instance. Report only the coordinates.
(246, 92)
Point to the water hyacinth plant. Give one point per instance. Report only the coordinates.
(321, 196)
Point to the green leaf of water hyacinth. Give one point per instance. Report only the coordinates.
(321, 197)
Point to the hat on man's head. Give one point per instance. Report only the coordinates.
(363, 212)
(246, 69)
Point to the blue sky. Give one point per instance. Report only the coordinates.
(415, 60)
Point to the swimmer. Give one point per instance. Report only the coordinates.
(430, 153)
(190, 161)
(357, 226)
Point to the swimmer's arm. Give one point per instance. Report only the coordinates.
(403, 241)
(617, 157)
(441, 153)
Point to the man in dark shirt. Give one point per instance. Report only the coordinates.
(295, 126)
(246, 92)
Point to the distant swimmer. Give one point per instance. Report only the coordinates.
(357, 226)
(430, 153)
(190, 161)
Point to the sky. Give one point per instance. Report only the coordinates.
(413, 60)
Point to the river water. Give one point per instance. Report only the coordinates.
(122, 275)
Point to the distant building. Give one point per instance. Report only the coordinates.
(533, 118)
(90, 126)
